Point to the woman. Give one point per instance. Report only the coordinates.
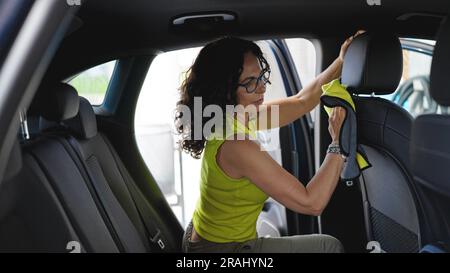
(237, 176)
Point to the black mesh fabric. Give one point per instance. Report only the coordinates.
(393, 237)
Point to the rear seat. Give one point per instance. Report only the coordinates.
(94, 196)
(46, 205)
(31, 215)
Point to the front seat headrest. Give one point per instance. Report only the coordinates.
(373, 63)
(57, 103)
(84, 124)
(440, 66)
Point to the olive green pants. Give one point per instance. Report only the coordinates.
(316, 243)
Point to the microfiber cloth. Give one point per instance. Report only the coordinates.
(335, 94)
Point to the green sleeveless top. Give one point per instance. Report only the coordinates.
(228, 208)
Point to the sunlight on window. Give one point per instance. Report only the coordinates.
(304, 56)
(92, 84)
(174, 171)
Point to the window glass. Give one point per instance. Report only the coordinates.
(303, 55)
(92, 84)
(413, 92)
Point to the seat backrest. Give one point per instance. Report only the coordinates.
(31, 217)
(373, 65)
(74, 195)
(45, 205)
(134, 223)
(106, 168)
(430, 148)
(75, 206)
(87, 201)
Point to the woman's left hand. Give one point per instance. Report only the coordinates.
(346, 43)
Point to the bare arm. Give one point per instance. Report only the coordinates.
(244, 158)
(293, 107)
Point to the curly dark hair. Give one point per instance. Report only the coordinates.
(213, 77)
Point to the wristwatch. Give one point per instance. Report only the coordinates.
(334, 148)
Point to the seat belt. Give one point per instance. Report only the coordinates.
(154, 234)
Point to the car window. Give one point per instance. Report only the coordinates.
(303, 55)
(413, 92)
(177, 173)
(92, 84)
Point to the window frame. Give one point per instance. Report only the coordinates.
(417, 46)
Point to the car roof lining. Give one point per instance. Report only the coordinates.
(101, 31)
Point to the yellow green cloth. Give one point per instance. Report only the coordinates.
(228, 208)
(335, 94)
(336, 89)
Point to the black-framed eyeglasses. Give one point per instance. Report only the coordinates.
(252, 83)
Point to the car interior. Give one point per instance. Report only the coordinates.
(74, 176)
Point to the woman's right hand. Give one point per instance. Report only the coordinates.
(335, 121)
(347, 43)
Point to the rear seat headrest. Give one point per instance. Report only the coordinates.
(14, 162)
(58, 103)
(84, 124)
(373, 63)
(440, 66)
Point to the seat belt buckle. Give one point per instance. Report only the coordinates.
(157, 239)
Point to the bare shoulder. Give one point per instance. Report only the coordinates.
(240, 145)
(243, 153)
(234, 156)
